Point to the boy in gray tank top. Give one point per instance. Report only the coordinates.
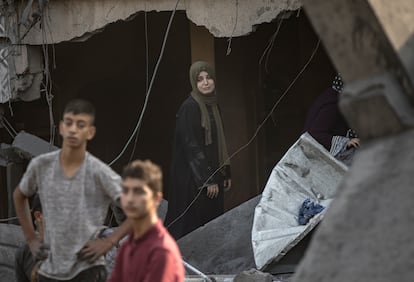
(75, 189)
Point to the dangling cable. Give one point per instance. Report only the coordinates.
(254, 135)
(146, 74)
(234, 29)
(149, 87)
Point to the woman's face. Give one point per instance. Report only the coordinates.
(205, 83)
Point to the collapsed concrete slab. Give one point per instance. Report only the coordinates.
(11, 237)
(29, 145)
(367, 234)
(78, 20)
(222, 246)
(307, 170)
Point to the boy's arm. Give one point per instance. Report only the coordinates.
(25, 219)
(94, 249)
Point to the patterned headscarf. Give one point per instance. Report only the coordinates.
(337, 83)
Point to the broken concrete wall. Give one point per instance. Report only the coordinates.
(359, 29)
(77, 20)
(21, 72)
(367, 232)
(21, 66)
(397, 23)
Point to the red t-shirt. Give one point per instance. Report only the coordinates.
(154, 257)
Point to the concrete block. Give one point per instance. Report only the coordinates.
(72, 21)
(222, 246)
(29, 145)
(8, 155)
(377, 107)
(367, 38)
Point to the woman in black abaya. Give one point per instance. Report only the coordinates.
(200, 165)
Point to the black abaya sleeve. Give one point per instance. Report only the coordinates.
(192, 137)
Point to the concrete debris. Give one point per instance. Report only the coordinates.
(78, 20)
(222, 246)
(253, 275)
(29, 145)
(367, 235)
(21, 72)
(378, 94)
(21, 66)
(11, 237)
(307, 170)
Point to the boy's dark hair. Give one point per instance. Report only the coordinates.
(80, 106)
(146, 171)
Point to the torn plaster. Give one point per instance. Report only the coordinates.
(226, 18)
(77, 20)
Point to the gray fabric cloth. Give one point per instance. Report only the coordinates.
(110, 256)
(73, 208)
(338, 145)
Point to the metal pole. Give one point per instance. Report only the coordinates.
(196, 271)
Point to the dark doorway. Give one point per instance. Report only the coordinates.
(251, 81)
(109, 69)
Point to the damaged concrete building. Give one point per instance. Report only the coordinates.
(106, 51)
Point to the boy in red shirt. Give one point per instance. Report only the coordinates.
(149, 253)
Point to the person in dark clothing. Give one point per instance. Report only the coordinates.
(24, 261)
(200, 164)
(327, 125)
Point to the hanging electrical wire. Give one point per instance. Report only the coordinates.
(234, 29)
(9, 128)
(138, 125)
(146, 75)
(269, 47)
(46, 71)
(253, 136)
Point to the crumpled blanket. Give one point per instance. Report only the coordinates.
(308, 210)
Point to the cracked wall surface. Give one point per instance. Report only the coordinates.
(77, 20)
(367, 233)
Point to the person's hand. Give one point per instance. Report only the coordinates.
(39, 250)
(212, 191)
(94, 249)
(227, 184)
(354, 142)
